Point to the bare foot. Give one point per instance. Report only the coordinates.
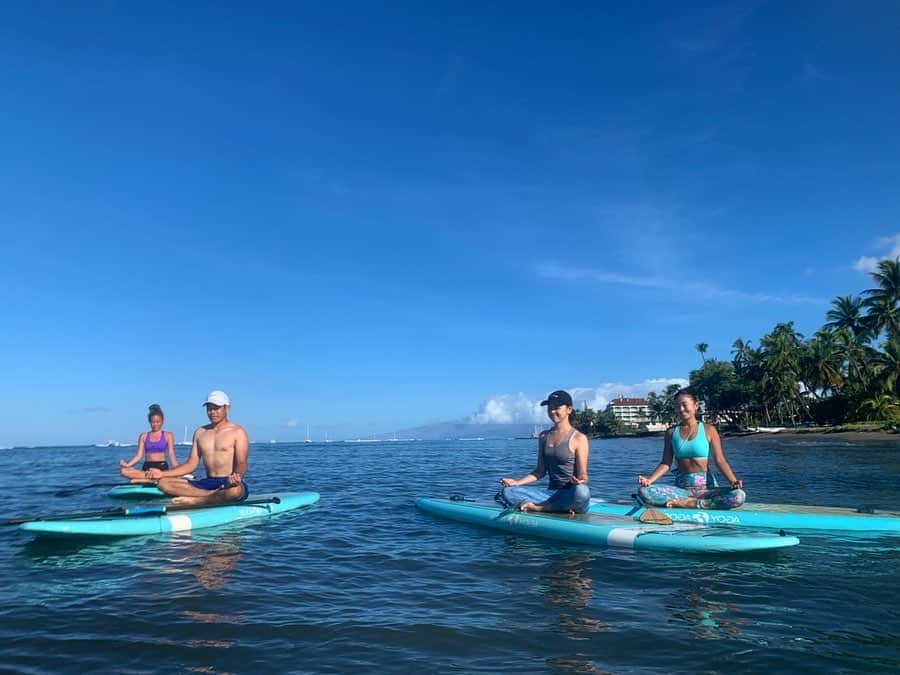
(187, 501)
(528, 506)
(683, 503)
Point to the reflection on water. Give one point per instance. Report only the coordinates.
(706, 619)
(77, 552)
(211, 563)
(692, 605)
(369, 585)
(569, 591)
(574, 666)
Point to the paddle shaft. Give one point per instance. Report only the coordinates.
(142, 510)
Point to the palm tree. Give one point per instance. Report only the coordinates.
(743, 355)
(780, 363)
(857, 355)
(747, 369)
(846, 312)
(822, 363)
(881, 302)
(660, 408)
(888, 366)
(880, 407)
(702, 347)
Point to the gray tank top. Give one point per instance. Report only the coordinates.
(559, 462)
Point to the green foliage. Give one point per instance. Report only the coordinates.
(596, 423)
(723, 394)
(880, 407)
(838, 376)
(832, 410)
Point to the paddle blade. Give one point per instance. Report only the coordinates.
(655, 517)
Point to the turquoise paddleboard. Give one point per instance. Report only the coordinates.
(162, 518)
(135, 491)
(774, 516)
(594, 529)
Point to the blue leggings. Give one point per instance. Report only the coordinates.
(575, 498)
(693, 485)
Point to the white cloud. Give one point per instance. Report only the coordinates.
(698, 290)
(291, 423)
(520, 409)
(890, 244)
(508, 409)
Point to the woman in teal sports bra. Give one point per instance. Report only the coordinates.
(691, 444)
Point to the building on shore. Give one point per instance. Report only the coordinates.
(633, 413)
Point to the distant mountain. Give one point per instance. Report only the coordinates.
(458, 429)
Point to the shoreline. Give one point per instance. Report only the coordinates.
(817, 433)
(843, 434)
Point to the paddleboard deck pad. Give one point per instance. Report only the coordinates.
(117, 524)
(135, 491)
(602, 530)
(789, 517)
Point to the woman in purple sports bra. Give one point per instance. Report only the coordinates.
(153, 445)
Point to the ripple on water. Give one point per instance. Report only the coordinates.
(365, 582)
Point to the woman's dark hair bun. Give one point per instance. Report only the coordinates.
(155, 410)
(686, 391)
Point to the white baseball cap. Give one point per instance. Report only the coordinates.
(217, 397)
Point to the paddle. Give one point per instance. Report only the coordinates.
(651, 515)
(68, 492)
(143, 510)
(648, 514)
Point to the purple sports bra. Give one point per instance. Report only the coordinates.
(155, 446)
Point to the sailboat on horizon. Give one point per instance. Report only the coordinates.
(308, 439)
(185, 441)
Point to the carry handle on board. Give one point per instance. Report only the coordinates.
(143, 510)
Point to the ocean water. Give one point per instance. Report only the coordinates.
(363, 582)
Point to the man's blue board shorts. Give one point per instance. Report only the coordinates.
(216, 483)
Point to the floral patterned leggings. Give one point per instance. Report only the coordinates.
(693, 485)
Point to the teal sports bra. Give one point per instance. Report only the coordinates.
(696, 448)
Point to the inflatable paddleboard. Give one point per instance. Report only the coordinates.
(135, 491)
(595, 529)
(162, 518)
(774, 516)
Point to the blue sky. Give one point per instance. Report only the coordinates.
(364, 218)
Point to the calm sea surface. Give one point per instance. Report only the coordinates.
(364, 582)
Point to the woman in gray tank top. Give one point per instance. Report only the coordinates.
(563, 456)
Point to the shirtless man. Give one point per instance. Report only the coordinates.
(222, 445)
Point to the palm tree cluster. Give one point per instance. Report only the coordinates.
(848, 371)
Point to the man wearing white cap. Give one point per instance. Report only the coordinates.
(222, 445)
